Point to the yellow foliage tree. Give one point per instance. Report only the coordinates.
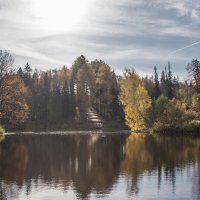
(135, 100)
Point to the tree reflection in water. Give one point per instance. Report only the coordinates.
(161, 154)
(92, 163)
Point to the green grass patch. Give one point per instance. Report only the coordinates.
(113, 125)
(2, 130)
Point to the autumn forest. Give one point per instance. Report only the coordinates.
(31, 99)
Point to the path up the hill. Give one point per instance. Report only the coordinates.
(94, 119)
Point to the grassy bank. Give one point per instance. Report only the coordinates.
(111, 125)
(2, 130)
(190, 128)
(67, 125)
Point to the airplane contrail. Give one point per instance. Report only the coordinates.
(184, 47)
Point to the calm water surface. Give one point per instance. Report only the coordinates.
(94, 165)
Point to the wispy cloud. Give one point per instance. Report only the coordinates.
(136, 33)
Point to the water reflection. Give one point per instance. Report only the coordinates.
(96, 164)
(163, 155)
(90, 162)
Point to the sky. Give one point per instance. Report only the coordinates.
(123, 33)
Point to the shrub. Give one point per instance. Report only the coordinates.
(2, 130)
(192, 126)
(168, 112)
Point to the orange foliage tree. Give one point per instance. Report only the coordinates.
(13, 93)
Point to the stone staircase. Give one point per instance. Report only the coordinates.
(94, 119)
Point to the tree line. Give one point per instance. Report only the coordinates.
(57, 95)
(66, 94)
(164, 104)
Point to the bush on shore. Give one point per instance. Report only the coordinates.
(190, 127)
(2, 130)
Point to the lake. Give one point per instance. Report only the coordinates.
(93, 165)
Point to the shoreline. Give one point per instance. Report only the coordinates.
(99, 132)
(88, 132)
